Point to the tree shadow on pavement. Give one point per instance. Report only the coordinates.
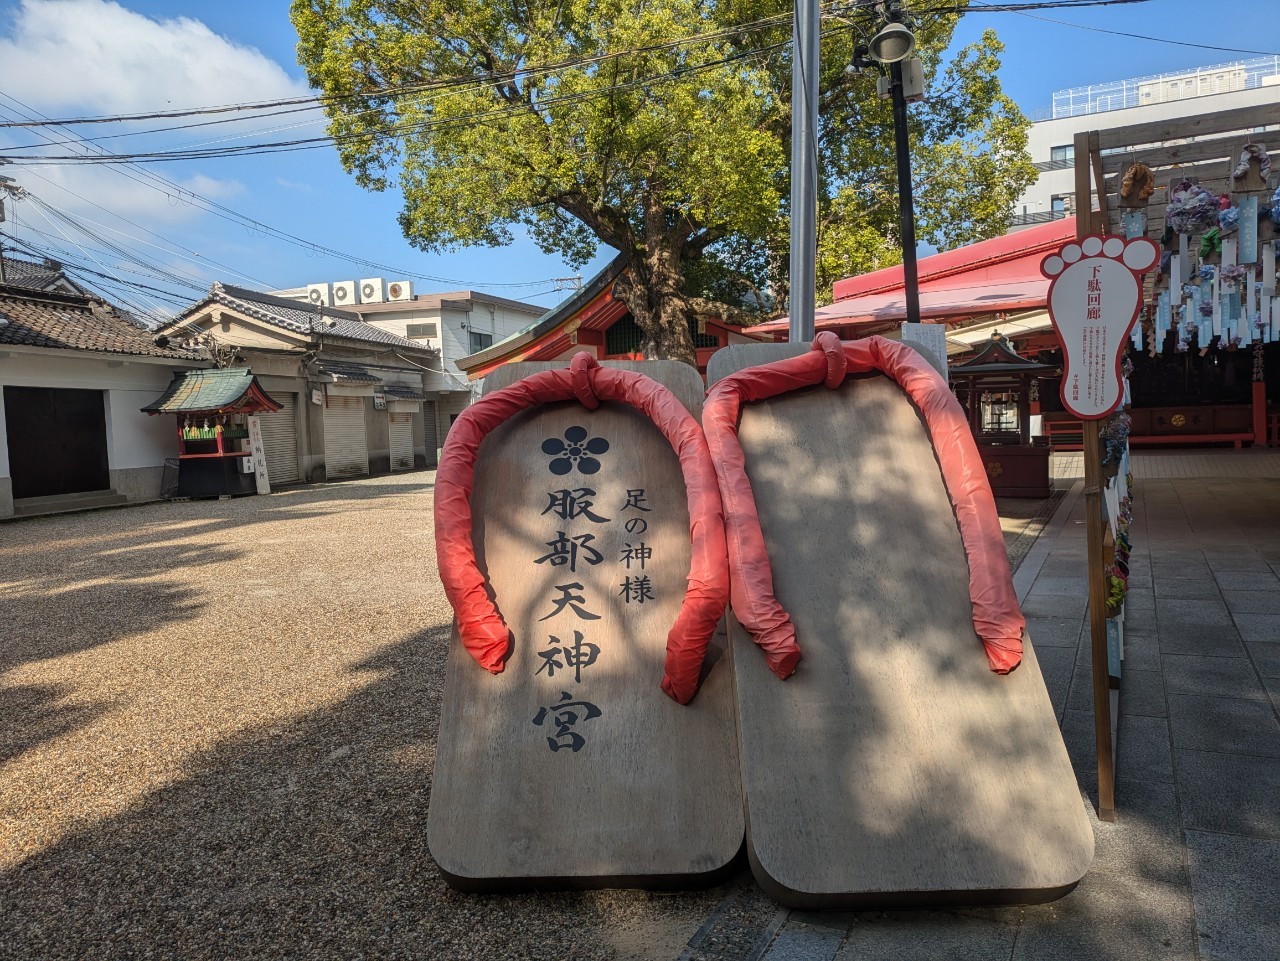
(303, 839)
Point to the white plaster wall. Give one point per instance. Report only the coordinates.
(455, 342)
(135, 439)
(397, 322)
(69, 369)
(508, 321)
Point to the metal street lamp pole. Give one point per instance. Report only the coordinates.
(906, 203)
(804, 168)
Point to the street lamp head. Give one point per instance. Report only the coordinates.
(894, 43)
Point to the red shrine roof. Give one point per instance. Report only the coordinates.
(582, 320)
(1000, 275)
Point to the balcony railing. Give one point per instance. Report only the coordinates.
(1040, 217)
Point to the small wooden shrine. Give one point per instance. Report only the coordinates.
(995, 388)
(213, 408)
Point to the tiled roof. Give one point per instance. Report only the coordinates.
(46, 275)
(348, 373)
(53, 319)
(403, 393)
(301, 318)
(231, 388)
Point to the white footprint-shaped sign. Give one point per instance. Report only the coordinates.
(1094, 296)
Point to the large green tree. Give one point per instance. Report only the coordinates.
(658, 127)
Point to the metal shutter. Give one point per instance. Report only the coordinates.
(280, 440)
(346, 451)
(429, 423)
(401, 431)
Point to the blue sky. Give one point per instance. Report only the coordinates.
(69, 57)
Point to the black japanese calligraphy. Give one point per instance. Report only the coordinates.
(636, 500)
(579, 654)
(571, 597)
(571, 504)
(567, 550)
(638, 554)
(638, 589)
(564, 716)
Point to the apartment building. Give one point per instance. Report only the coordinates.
(455, 324)
(1123, 103)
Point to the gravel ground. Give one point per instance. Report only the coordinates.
(217, 734)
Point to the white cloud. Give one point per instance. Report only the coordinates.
(96, 56)
(83, 190)
(89, 57)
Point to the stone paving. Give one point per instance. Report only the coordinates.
(1190, 869)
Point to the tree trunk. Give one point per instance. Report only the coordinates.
(650, 287)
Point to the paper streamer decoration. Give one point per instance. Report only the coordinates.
(1215, 298)
(1230, 249)
(1248, 230)
(1269, 268)
(1250, 306)
(1134, 223)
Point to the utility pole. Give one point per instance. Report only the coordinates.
(5, 188)
(906, 202)
(805, 54)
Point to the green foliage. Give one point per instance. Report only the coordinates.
(675, 152)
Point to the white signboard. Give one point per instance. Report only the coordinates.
(1094, 297)
(933, 338)
(259, 455)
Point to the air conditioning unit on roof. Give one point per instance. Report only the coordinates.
(320, 295)
(373, 290)
(400, 290)
(345, 294)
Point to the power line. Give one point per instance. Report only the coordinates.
(309, 143)
(314, 102)
(208, 151)
(977, 6)
(122, 162)
(155, 181)
(483, 79)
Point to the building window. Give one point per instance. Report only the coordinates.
(480, 341)
(1058, 204)
(624, 337)
(420, 331)
(1063, 153)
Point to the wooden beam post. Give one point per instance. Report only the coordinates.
(1096, 563)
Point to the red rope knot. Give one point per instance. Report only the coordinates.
(837, 364)
(580, 369)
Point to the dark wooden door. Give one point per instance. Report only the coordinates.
(57, 440)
